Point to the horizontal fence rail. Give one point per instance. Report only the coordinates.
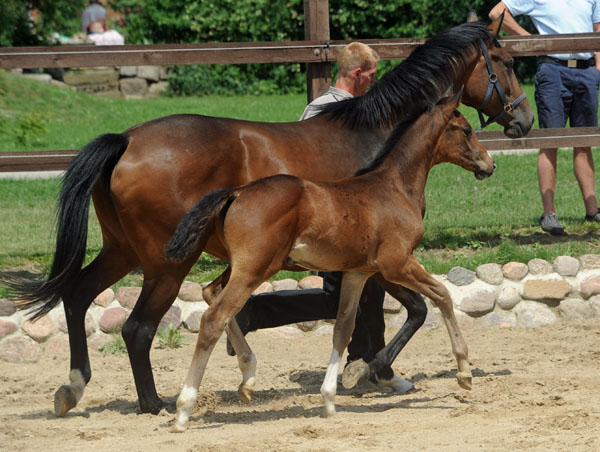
(492, 141)
(258, 52)
(309, 51)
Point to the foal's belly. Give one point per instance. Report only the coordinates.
(325, 257)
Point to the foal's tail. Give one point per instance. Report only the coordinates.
(194, 224)
(96, 159)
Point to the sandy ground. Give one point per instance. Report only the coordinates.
(533, 389)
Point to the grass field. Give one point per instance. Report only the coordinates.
(468, 222)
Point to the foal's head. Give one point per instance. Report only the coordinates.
(458, 144)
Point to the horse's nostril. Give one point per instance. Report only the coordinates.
(494, 166)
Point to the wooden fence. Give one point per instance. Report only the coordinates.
(317, 51)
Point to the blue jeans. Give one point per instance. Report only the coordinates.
(563, 93)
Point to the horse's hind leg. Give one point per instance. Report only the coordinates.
(227, 304)
(352, 285)
(108, 267)
(157, 296)
(246, 358)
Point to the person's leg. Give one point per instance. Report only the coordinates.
(284, 307)
(546, 168)
(584, 113)
(553, 100)
(583, 166)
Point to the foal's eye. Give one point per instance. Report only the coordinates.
(468, 132)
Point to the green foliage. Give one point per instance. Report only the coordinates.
(17, 27)
(179, 21)
(30, 126)
(170, 338)
(115, 347)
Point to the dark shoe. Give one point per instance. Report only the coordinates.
(551, 224)
(243, 320)
(593, 218)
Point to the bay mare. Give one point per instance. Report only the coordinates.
(364, 225)
(143, 180)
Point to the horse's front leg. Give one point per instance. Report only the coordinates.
(359, 371)
(246, 358)
(352, 285)
(415, 277)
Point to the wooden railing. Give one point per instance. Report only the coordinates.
(317, 51)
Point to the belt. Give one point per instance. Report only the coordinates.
(579, 64)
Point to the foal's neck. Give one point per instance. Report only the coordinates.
(407, 166)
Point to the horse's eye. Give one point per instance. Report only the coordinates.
(468, 132)
(509, 64)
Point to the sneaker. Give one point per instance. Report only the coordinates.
(551, 224)
(593, 218)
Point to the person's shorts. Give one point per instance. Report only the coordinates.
(563, 93)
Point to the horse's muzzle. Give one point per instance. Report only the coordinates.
(481, 174)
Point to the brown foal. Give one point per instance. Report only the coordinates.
(363, 225)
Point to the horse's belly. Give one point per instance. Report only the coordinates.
(314, 257)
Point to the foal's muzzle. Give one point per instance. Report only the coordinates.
(481, 174)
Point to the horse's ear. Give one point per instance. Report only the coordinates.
(472, 16)
(496, 25)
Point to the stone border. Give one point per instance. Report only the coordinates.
(513, 295)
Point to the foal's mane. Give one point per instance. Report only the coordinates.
(396, 135)
(426, 75)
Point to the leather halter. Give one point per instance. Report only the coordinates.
(493, 78)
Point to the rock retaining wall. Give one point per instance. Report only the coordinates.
(513, 295)
(130, 82)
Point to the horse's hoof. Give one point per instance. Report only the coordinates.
(464, 379)
(64, 400)
(245, 394)
(328, 411)
(179, 428)
(356, 373)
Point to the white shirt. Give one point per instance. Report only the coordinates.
(559, 17)
(333, 94)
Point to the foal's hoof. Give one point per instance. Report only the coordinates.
(64, 400)
(464, 380)
(245, 394)
(179, 427)
(355, 374)
(328, 411)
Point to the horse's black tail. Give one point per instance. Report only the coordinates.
(96, 159)
(192, 228)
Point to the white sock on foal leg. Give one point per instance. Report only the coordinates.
(185, 404)
(247, 365)
(329, 386)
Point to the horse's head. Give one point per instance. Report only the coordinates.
(494, 90)
(458, 144)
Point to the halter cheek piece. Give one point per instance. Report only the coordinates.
(508, 106)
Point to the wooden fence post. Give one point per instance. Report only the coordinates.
(316, 28)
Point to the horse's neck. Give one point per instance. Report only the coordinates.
(408, 164)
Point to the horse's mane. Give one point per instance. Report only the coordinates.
(399, 131)
(426, 75)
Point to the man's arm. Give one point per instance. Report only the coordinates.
(596, 30)
(509, 24)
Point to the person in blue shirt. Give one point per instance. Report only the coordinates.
(566, 88)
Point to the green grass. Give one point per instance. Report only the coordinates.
(37, 116)
(468, 222)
